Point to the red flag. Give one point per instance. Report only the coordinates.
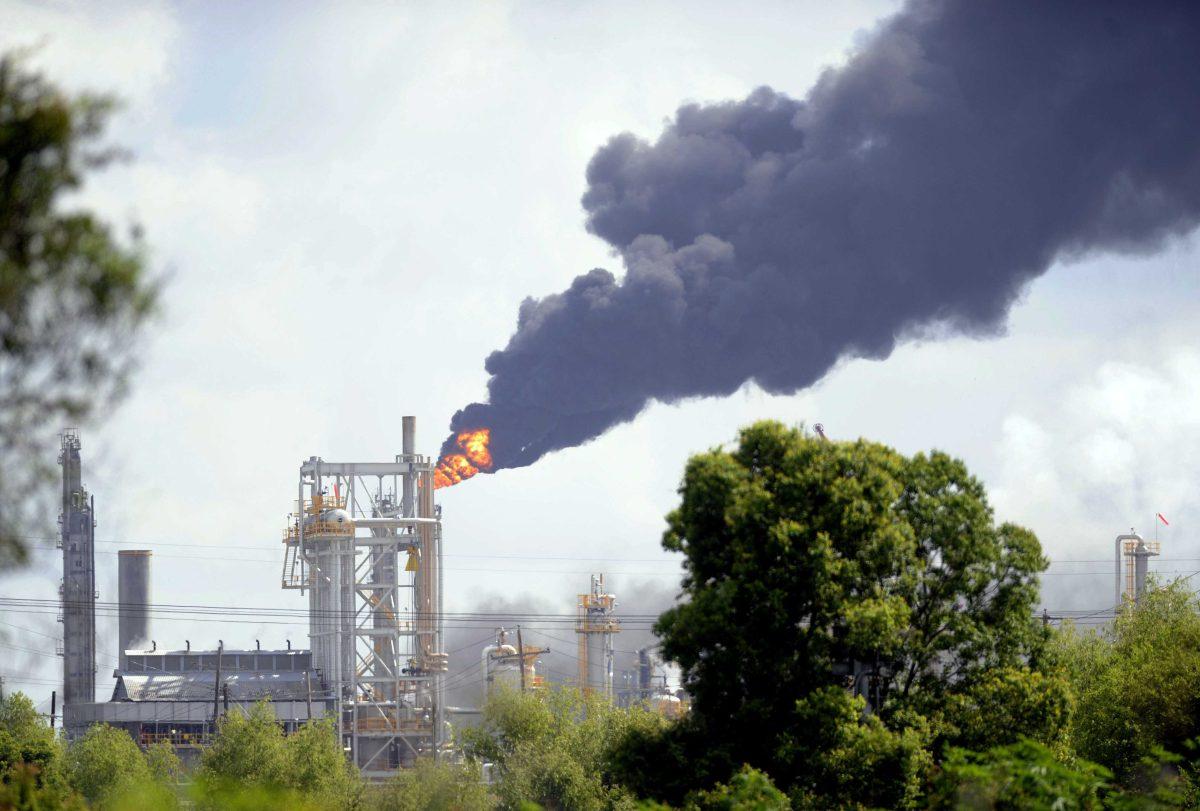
(1162, 518)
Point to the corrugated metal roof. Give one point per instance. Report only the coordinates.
(201, 685)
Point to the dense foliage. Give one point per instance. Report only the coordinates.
(251, 751)
(105, 766)
(808, 563)
(555, 749)
(1137, 686)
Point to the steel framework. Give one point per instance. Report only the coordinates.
(375, 621)
(78, 589)
(595, 624)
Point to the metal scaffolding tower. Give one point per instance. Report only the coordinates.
(375, 620)
(78, 589)
(1137, 552)
(595, 624)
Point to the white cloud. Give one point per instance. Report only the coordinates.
(111, 47)
(1115, 448)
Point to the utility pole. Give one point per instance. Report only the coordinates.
(521, 653)
(53, 706)
(308, 692)
(217, 684)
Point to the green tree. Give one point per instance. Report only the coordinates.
(104, 763)
(861, 762)
(804, 557)
(247, 749)
(250, 761)
(316, 766)
(23, 789)
(165, 765)
(748, 790)
(73, 297)
(1020, 776)
(430, 786)
(1137, 683)
(111, 771)
(556, 748)
(27, 742)
(1008, 702)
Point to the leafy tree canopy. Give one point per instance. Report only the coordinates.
(555, 748)
(251, 753)
(747, 789)
(807, 562)
(1019, 776)
(430, 786)
(1138, 682)
(27, 740)
(111, 771)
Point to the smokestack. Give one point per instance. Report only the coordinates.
(408, 444)
(961, 151)
(133, 595)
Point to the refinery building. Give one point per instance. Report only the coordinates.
(363, 544)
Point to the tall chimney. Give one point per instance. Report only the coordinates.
(133, 593)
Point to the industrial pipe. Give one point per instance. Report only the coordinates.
(408, 448)
(1132, 536)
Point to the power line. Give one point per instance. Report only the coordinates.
(574, 558)
(53, 543)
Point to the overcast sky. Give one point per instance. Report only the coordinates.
(349, 201)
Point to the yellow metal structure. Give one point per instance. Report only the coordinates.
(1130, 548)
(595, 623)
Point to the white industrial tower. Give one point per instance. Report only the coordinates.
(1136, 552)
(595, 624)
(365, 544)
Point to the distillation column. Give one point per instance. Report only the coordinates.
(595, 625)
(1136, 552)
(78, 588)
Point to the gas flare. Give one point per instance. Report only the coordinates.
(453, 468)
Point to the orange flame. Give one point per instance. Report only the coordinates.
(456, 467)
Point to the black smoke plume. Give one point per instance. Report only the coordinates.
(964, 149)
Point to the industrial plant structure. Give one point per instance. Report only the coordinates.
(512, 667)
(645, 687)
(78, 590)
(1136, 552)
(364, 542)
(595, 624)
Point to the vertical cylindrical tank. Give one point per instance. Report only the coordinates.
(596, 662)
(408, 447)
(1140, 567)
(133, 594)
(645, 669)
(501, 665)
